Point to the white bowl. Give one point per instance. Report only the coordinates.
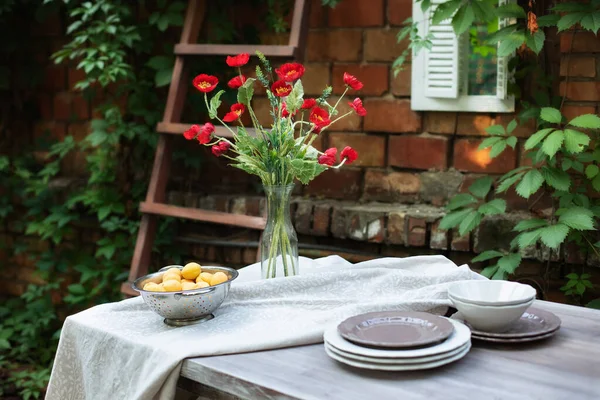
(492, 293)
(490, 318)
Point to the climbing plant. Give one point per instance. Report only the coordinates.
(563, 154)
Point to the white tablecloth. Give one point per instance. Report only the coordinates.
(124, 351)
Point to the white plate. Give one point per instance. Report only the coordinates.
(460, 336)
(396, 361)
(492, 293)
(405, 367)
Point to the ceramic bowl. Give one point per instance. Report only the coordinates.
(492, 293)
(490, 318)
(189, 306)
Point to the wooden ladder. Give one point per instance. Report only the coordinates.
(155, 205)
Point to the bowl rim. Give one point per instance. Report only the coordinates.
(452, 292)
(234, 274)
(491, 307)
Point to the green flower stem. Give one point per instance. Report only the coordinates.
(341, 97)
(216, 116)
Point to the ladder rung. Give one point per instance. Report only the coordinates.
(178, 129)
(189, 49)
(216, 217)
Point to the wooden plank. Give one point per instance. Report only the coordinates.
(179, 128)
(184, 49)
(566, 366)
(299, 28)
(245, 221)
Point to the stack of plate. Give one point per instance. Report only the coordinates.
(534, 324)
(397, 341)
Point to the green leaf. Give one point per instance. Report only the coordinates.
(489, 142)
(553, 142)
(246, 91)
(531, 183)
(460, 200)
(463, 19)
(487, 255)
(484, 11)
(594, 304)
(548, 20)
(536, 41)
(591, 171)
(553, 235)
(510, 10)
(511, 126)
(527, 239)
(481, 187)
(537, 138)
(495, 130)
(571, 7)
(578, 218)
(215, 103)
(490, 271)
(509, 262)
(511, 43)
(77, 289)
(551, 115)
(530, 224)
(469, 223)
(587, 121)
(591, 22)
(498, 148)
(161, 62)
(295, 98)
(163, 77)
(567, 164)
(575, 141)
(496, 206)
(512, 141)
(556, 178)
(454, 218)
(508, 182)
(596, 183)
(445, 11)
(568, 20)
(306, 170)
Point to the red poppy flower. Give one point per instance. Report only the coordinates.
(290, 72)
(358, 107)
(236, 82)
(220, 148)
(351, 81)
(349, 154)
(234, 113)
(316, 129)
(328, 157)
(281, 89)
(284, 112)
(206, 133)
(205, 83)
(307, 104)
(192, 132)
(238, 61)
(319, 117)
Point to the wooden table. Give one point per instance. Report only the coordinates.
(566, 366)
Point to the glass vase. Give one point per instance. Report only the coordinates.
(279, 247)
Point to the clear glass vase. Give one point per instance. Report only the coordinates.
(279, 247)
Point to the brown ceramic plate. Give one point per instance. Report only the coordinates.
(534, 322)
(516, 340)
(395, 329)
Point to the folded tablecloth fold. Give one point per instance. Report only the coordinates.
(124, 351)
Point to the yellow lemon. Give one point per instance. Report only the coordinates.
(151, 286)
(160, 288)
(191, 270)
(172, 285)
(187, 280)
(218, 277)
(204, 276)
(169, 276)
(173, 271)
(188, 285)
(201, 284)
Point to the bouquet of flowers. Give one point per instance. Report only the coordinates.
(280, 154)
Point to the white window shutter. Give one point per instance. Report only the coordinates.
(443, 70)
(502, 64)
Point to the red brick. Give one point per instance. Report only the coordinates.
(439, 238)
(416, 232)
(321, 220)
(460, 243)
(391, 115)
(79, 130)
(262, 109)
(472, 124)
(318, 12)
(523, 130)
(339, 45)
(44, 105)
(578, 66)
(467, 157)
(356, 13)
(81, 108)
(351, 122)
(401, 83)
(382, 45)
(56, 130)
(581, 91)
(75, 76)
(585, 42)
(315, 79)
(342, 183)
(396, 228)
(50, 26)
(370, 148)
(373, 76)
(418, 152)
(62, 106)
(440, 122)
(391, 187)
(398, 11)
(572, 111)
(55, 78)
